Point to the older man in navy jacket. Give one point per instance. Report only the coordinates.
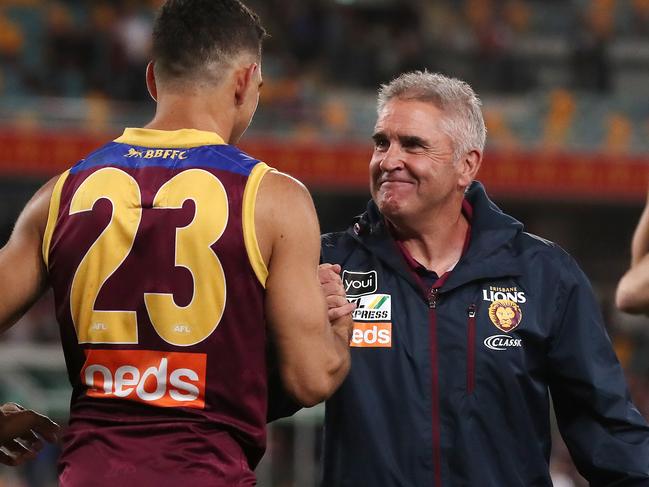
(465, 324)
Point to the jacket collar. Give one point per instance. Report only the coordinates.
(490, 253)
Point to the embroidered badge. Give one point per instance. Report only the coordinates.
(505, 314)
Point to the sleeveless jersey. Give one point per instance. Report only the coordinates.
(158, 280)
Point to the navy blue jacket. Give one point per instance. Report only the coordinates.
(450, 386)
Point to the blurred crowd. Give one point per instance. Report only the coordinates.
(573, 68)
(75, 49)
(79, 47)
(553, 73)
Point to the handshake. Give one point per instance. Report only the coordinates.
(332, 287)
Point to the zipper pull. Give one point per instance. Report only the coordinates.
(432, 298)
(471, 310)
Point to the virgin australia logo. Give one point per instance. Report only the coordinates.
(502, 342)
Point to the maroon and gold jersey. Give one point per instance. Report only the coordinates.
(159, 285)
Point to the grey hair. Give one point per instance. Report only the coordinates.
(464, 122)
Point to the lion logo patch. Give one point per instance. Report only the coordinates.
(505, 314)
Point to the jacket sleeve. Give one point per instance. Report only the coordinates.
(607, 436)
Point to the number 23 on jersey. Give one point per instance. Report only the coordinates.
(178, 325)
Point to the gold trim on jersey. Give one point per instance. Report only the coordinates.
(179, 139)
(52, 216)
(248, 213)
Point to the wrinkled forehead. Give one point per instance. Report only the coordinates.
(410, 118)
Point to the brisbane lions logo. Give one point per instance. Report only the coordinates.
(134, 153)
(505, 314)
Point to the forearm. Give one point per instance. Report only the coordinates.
(342, 330)
(640, 242)
(21, 284)
(632, 294)
(313, 367)
(22, 270)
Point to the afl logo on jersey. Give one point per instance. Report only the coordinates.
(359, 283)
(505, 314)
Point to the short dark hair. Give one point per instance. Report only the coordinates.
(188, 35)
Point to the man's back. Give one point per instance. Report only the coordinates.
(170, 255)
(159, 287)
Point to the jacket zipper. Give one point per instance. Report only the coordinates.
(435, 413)
(432, 298)
(470, 358)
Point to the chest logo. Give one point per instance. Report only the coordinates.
(375, 307)
(372, 321)
(505, 314)
(502, 342)
(372, 335)
(359, 283)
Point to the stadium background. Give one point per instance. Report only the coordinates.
(565, 85)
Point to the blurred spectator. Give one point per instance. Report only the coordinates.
(591, 67)
(104, 51)
(132, 36)
(619, 134)
(500, 134)
(496, 28)
(11, 40)
(11, 45)
(640, 17)
(559, 119)
(66, 54)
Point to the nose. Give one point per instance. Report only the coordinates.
(391, 159)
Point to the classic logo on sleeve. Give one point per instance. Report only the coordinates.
(359, 283)
(372, 321)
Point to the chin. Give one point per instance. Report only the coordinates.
(390, 207)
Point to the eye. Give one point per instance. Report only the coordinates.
(412, 145)
(381, 143)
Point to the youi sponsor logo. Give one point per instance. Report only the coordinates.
(359, 283)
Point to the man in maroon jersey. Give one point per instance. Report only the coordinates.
(170, 253)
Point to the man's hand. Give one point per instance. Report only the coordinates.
(334, 291)
(21, 431)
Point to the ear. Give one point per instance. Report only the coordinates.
(151, 82)
(468, 167)
(244, 79)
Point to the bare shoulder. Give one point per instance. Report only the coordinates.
(283, 188)
(283, 200)
(34, 216)
(284, 210)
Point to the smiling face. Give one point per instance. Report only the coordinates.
(413, 171)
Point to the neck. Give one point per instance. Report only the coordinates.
(436, 241)
(183, 110)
